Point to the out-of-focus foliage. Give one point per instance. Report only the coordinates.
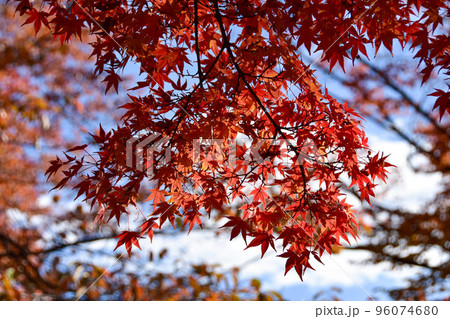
(390, 94)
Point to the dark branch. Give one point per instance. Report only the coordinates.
(278, 128)
(403, 94)
(197, 50)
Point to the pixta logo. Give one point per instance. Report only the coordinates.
(143, 153)
(258, 151)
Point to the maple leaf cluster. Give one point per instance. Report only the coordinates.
(227, 70)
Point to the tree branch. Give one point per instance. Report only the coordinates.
(227, 45)
(393, 258)
(197, 50)
(403, 94)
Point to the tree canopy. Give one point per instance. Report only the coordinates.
(233, 120)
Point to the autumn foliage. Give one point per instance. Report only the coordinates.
(231, 71)
(48, 248)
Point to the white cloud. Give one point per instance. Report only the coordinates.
(343, 269)
(405, 187)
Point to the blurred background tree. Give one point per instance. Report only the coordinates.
(389, 94)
